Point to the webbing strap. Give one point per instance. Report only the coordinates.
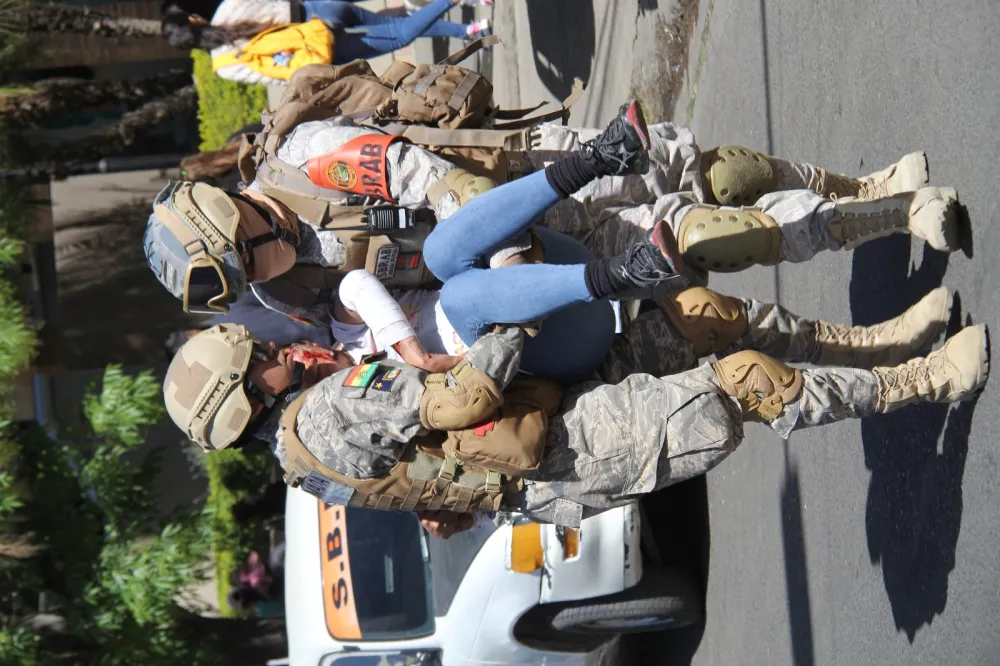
(462, 54)
(559, 114)
(464, 499)
(384, 502)
(412, 498)
(562, 113)
(514, 114)
(459, 138)
(425, 83)
(359, 500)
(294, 189)
(437, 501)
(448, 470)
(463, 90)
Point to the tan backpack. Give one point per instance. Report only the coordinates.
(445, 108)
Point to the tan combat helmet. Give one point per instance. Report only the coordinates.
(192, 247)
(206, 389)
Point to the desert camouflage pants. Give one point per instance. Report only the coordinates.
(655, 419)
(612, 213)
(652, 344)
(614, 443)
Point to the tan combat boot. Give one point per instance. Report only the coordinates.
(955, 372)
(890, 342)
(907, 175)
(930, 214)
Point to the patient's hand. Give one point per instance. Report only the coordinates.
(443, 524)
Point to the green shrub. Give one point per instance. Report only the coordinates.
(233, 476)
(223, 106)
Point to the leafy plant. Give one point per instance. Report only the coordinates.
(223, 106)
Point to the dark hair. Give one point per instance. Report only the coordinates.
(181, 33)
(213, 167)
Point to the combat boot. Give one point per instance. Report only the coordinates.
(930, 214)
(888, 343)
(907, 175)
(622, 148)
(955, 372)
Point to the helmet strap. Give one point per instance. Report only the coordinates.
(273, 402)
(278, 232)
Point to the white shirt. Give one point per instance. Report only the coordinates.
(392, 317)
(267, 12)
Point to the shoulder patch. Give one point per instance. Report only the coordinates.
(361, 376)
(384, 380)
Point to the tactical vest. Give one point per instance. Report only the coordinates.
(466, 131)
(467, 470)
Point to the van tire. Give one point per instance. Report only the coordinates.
(663, 599)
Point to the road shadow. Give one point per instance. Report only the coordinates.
(567, 52)
(679, 518)
(793, 542)
(914, 507)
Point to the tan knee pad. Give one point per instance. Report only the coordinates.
(762, 385)
(707, 319)
(737, 176)
(463, 185)
(728, 240)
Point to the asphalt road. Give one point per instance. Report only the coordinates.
(872, 542)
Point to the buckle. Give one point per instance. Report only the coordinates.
(444, 478)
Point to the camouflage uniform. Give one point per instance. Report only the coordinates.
(608, 444)
(613, 212)
(612, 443)
(652, 344)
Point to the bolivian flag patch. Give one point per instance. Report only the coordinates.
(361, 376)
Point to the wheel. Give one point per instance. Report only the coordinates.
(663, 599)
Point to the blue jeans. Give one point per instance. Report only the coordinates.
(577, 332)
(384, 34)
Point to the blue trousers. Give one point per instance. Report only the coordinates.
(577, 332)
(383, 34)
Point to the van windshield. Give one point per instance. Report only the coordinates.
(375, 579)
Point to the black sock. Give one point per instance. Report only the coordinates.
(602, 280)
(569, 174)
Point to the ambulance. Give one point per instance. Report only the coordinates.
(372, 588)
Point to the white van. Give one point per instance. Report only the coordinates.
(371, 588)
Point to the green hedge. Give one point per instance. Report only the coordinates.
(233, 476)
(223, 106)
